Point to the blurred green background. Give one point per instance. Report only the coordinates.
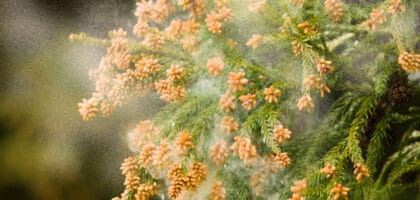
(46, 150)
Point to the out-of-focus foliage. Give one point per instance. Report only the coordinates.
(46, 150)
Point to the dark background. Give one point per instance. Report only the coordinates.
(46, 150)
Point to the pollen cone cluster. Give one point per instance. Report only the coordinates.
(227, 103)
(154, 40)
(215, 19)
(145, 191)
(396, 8)
(144, 133)
(196, 7)
(219, 152)
(168, 92)
(131, 182)
(248, 101)
(215, 65)
(305, 102)
(88, 108)
(328, 170)
(118, 54)
(307, 28)
(175, 73)
(141, 28)
(174, 94)
(196, 175)
(146, 153)
(162, 85)
(177, 180)
(271, 94)
(409, 62)
(245, 149)
(157, 11)
(184, 141)
(315, 82)
(191, 26)
(237, 81)
(297, 49)
(229, 125)
(175, 29)
(324, 67)
(377, 17)
(282, 160)
(146, 67)
(298, 189)
(254, 41)
(334, 9)
(218, 191)
(361, 170)
(340, 192)
(129, 168)
(174, 171)
(175, 187)
(190, 43)
(281, 133)
(161, 155)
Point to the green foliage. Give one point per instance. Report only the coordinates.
(236, 182)
(357, 128)
(187, 115)
(262, 121)
(401, 167)
(379, 141)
